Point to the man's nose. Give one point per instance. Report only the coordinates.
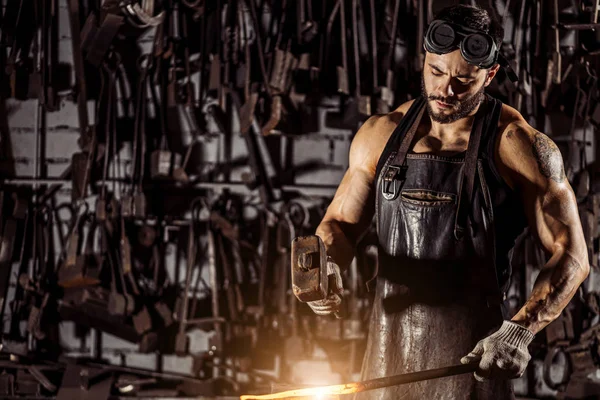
(445, 88)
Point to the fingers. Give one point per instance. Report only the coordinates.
(326, 306)
(478, 377)
(474, 355)
(332, 303)
(335, 278)
(486, 365)
(470, 359)
(492, 363)
(497, 366)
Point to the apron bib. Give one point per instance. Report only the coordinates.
(435, 296)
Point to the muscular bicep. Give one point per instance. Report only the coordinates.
(534, 164)
(348, 216)
(353, 204)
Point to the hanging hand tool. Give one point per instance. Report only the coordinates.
(139, 204)
(109, 87)
(182, 340)
(160, 306)
(386, 92)
(250, 90)
(342, 71)
(327, 42)
(7, 246)
(283, 64)
(88, 260)
(374, 57)
(556, 55)
(162, 160)
(49, 54)
(420, 53)
(81, 162)
(119, 304)
(17, 305)
(214, 80)
(184, 104)
(363, 101)
(360, 105)
(142, 321)
(217, 342)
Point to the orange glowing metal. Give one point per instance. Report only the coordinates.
(325, 392)
(319, 392)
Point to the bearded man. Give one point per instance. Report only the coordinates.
(452, 178)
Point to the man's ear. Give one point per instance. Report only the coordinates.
(491, 73)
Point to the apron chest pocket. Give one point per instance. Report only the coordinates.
(427, 198)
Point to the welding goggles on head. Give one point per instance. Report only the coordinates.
(476, 47)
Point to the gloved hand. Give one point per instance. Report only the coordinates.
(503, 354)
(332, 303)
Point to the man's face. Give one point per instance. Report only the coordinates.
(453, 88)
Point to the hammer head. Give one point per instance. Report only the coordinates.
(309, 268)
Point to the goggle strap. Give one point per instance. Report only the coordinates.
(510, 72)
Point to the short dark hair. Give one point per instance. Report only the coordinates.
(475, 18)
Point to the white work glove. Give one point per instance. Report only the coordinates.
(503, 354)
(332, 303)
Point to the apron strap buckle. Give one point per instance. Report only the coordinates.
(393, 180)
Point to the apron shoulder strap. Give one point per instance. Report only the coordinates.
(466, 189)
(396, 138)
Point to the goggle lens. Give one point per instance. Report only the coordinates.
(476, 45)
(443, 35)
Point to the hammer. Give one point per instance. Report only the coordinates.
(310, 275)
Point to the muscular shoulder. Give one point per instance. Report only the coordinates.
(371, 138)
(525, 155)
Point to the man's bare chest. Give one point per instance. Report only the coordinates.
(427, 143)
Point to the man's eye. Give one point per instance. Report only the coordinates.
(436, 73)
(464, 83)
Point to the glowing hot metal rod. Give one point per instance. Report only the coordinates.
(355, 387)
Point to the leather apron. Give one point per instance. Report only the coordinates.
(437, 286)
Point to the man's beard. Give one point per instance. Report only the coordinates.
(461, 108)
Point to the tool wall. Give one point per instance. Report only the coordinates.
(157, 157)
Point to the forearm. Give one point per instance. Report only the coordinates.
(339, 245)
(554, 287)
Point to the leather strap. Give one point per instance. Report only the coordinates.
(395, 139)
(468, 176)
(395, 169)
(408, 138)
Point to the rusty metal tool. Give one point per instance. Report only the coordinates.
(309, 268)
(312, 278)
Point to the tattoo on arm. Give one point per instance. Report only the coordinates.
(548, 157)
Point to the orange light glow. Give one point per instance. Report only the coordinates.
(317, 393)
